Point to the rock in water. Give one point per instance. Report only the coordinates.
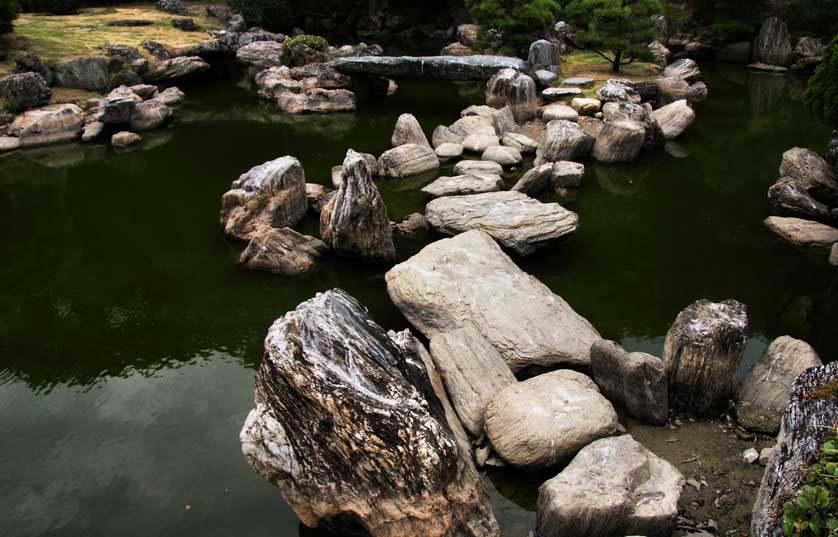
(615, 486)
(809, 419)
(673, 119)
(806, 165)
(348, 425)
(283, 251)
(801, 232)
(473, 372)
(636, 381)
(406, 160)
(773, 44)
(702, 353)
(546, 420)
(51, 124)
(684, 68)
(764, 393)
(462, 185)
(175, 68)
(355, 221)
(564, 140)
(272, 194)
(409, 131)
(469, 280)
(515, 220)
(619, 141)
(476, 67)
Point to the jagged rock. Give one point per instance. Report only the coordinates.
(505, 156)
(673, 119)
(25, 90)
(117, 108)
(260, 54)
(702, 352)
(28, 63)
(124, 140)
(149, 115)
(802, 232)
(801, 198)
(545, 55)
(477, 167)
(469, 125)
(559, 112)
(282, 251)
(614, 486)
(685, 69)
(447, 151)
(512, 88)
(808, 47)
(175, 69)
(88, 73)
(92, 131)
(544, 421)
(617, 91)
(51, 124)
(521, 142)
(355, 221)
(463, 185)
(469, 280)
(386, 455)
(515, 220)
(619, 141)
(409, 131)
(272, 194)
(473, 372)
(567, 174)
(503, 121)
(659, 52)
(636, 381)
(808, 420)
(564, 140)
(764, 392)
(535, 180)
(773, 44)
(557, 94)
(475, 67)
(806, 165)
(406, 160)
(735, 53)
(585, 107)
(443, 135)
(170, 96)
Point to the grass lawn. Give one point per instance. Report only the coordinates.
(592, 65)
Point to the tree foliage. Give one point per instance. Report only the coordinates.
(621, 28)
(53, 7)
(821, 95)
(8, 11)
(814, 17)
(516, 23)
(273, 15)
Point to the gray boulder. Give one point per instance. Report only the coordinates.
(503, 155)
(521, 142)
(807, 166)
(545, 55)
(282, 251)
(619, 141)
(477, 167)
(585, 106)
(563, 140)
(124, 140)
(468, 125)
(89, 73)
(616, 90)
(560, 112)
(475, 67)
(463, 185)
(557, 94)
(773, 44)
(685, 69)
(449, 151)
(409, 131)
(478, 143)
(444, 135)
(24, 91)
(406, 160)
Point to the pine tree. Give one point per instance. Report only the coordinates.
(516, 21)
(821, 95)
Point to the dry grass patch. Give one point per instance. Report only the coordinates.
(592, 65)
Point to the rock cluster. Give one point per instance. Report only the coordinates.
(515, 89)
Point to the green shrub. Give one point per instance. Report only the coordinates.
(314, 42)
(53, 7)
(272, 15)
(8, 11)
(814, 509)
(821, 95)
(519, 22)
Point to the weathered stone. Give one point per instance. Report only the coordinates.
(559, 112)
(615, 486)
(702, 352)
(617, 91)
(505, 156)
(473, 372)
(802, 232)
(257, 34)
(764, 393)
(544, 421)
(175, 69)
(170, 96)
(456, 49)
(535, 180)
(443, 135)
(469, 280)
(546, 79)
(806, 165)
(585, 107)
(317, 196)
(619, 141)
(809, 419)
(409, 131)
(477, 167)
(475, 67)
(512, 88)
(515, 220)
(481, 110)
(802, 198)
(406, 160)
(114, 110)
(147, 91)
(52, 124)
(88, 73)
(124, 140)
(673, 119)
(503, 121)
(579, 81)
(317, 100)
(282, 251)
(672, 89)
(521, 142)
(411, 224)
(591, 126)
(773, 44)
(9, 143)
(478, 143)
(564, 140)
(272, 194)
(157, 50)
(636, 381)
(735, 53)
(320, 75)
(24, 91)
(28, 63)
(545, 55)
(463, 185)
(567, 174)
(557, 94)
(685, 69)
(447, 151)
(659, 52)
(355, 221)
(808, 47)
(387, 455)
(469, 125)
(467, 34)
(173, 6)
(92, 131)
(149, 115)
(260, 54)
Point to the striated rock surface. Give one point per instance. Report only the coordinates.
(478, 143)
(175, 69)
(52, 124)
(406, 160)
(477, 67)
(763, 394)
(545, 55)
(353, 426)
(559, 112)
(773, 44)
(478, 167)
(615, 486)
(409, 131)
(802, 232)
(702, 352)
(515, 220)
(149, 115)
(673, 119)
(503, 155)
(546, 420)
(619, 141)
(260, 54)
(564, 140)
(272, 194)
(283, 251)
(355, 221)
(512, 88)
(685, 69)
(463, 184)
(521, 142)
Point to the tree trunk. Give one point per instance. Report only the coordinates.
(615, 65)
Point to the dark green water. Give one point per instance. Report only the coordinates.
(129, 336)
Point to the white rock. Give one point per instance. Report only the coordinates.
(449, 151)
(750, 456)
(505, 156)
(477, 167)
(521, 142)
(478, 143)
(559, 111)
(463, 185)
(673, 119)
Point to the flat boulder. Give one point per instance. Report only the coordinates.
(468, 279)
(801, 232)
(521, 142)
(463, 185)
(406, 160)
(282, 251)
(559, 112)
(685, 69)
(478, 167)
(449, 151)
(564, 140)
(149, 115)
(804, 164)
(53, 124)
(558, 175)
(125, 140)
(515, 220)
(544, 421)
(409, 131)
(478, 143)
(468, 125)
(673, 119)
(763, 394)
(585, 106)
(443, 135)
(614, 486)
(317, 100)
(558, 94)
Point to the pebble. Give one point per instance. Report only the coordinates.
(750, 456)
(765, 455)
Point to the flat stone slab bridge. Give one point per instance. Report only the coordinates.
(428, 67)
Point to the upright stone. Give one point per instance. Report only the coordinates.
(545, 55)
(619, 141)
(773, 44)
(564, 140)
(409, 131)
(512, 88)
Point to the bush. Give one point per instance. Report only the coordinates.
(293, 52)
(821, 95)
(272, 15)
(519, 22)
(53, 7)
(8, 11)
(814, 509)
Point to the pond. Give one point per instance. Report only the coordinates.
(129, 336)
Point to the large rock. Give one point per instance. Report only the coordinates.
(428, 67)
(804, 198)
(564, 140)
(702, 352)
(544, 421)
(467, 34)
(406, 160)
(685, 69)
(24, 91)
(317, 100)
(807, 166)
(515, 220)
(545, 55)
(477, 167)
(801, 232)
(282, 251)
(353, 426)
(561, 112)
(521, 142)
(355, 221)
(125, 140)
(149, 115)
(473, 372)
(619, 141)
(505, 156)
(773, 44)
(512, 88)
(636, 381)
(763, 394)
(409, 131)
(558, 175)
(52, 124)
(615, 486)
(673, 119)
(448, 151)
(260, 54)
(616, 90)
(478, 143)
(469, 280)
(463, 185)
(809, 419)
(272, 194)
(585, 106)
(468, 125)
(444, 135)
(88, 73)
(175, 69)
